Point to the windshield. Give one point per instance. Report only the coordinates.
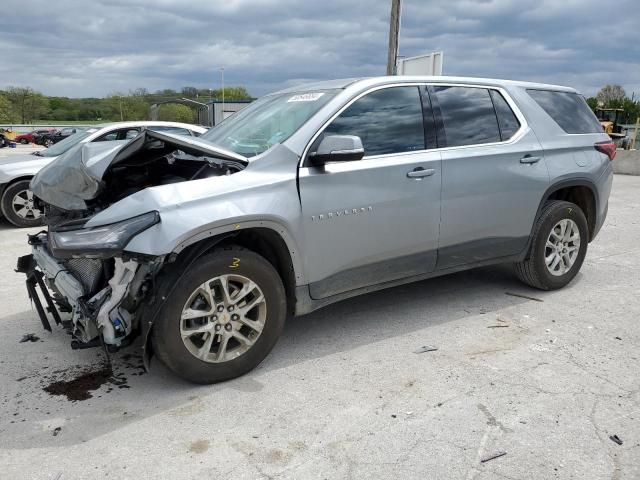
(267, 121)
(64, 145)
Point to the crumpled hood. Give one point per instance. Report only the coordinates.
(76, 176)
(68, 181)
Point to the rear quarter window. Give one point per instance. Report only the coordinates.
(569, 110)
(507, 120)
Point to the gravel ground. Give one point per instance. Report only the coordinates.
(343, 395)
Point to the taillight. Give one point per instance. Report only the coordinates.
(608, 148)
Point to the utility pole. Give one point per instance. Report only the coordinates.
(222, 80)
(394, 33)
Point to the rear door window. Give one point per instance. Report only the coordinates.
(569, 110)
(507, 120)
(468, 115)
(387, 121)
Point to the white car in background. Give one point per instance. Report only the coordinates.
(16, 200)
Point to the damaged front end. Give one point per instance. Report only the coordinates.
(102, 296)
(84, 270)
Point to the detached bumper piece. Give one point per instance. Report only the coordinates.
(27, 265)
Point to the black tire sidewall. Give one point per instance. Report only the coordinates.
(7, 207)
(167, 342)
(562, 210)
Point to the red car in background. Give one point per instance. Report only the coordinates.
(30, 137)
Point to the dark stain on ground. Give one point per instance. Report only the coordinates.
(79, 388)
(29, 337)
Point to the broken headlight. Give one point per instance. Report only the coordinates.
(102, 239)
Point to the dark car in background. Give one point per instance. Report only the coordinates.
(48, 139)
(31, 137)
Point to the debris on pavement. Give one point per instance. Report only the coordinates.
(56, 431)
(29, 337)
(512, 294)
(426, 348)
(617, 338)
(491, 456)
(616, 439)
(498, 326)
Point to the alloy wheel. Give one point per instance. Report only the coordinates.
(562, 247)
(23, 205)
(223, 318)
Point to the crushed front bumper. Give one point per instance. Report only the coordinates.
(27, 265)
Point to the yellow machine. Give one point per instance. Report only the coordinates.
(609, 120)
(8, 134)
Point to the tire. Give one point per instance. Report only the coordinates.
(544, 245)
(179, 355)
(24, 141)
(31, 217)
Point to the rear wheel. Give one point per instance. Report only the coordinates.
(222, 318)
(24, 141)
(18, 205)
(558, 247)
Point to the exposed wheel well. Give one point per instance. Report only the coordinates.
(582, 196)
(264, 242)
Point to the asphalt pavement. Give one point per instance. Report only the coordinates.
(508, 386)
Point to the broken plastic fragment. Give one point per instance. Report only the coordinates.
(426, 348)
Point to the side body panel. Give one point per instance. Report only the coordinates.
(490, 198)
(570, 158)
(366, 222)
(262, 195)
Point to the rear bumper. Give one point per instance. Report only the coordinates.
(604, 185)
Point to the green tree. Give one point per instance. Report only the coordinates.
(27, 103)
(592, 102)
(631, 110)
(176, 112)
(124, 107)
(7, 115)
(234, 93)
(189, 91)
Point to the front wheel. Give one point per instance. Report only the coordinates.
(558, 247)
(18, 205)
(222, 318)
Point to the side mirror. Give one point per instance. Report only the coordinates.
(337, 148)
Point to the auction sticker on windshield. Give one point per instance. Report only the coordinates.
(306, 97)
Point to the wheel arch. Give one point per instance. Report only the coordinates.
(6, 185)
(261, 239)
(582, 192)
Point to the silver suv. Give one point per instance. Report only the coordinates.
(309, 196)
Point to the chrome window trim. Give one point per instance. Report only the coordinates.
(524, 126)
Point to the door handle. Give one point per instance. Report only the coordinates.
(420, 172)
(530, 159)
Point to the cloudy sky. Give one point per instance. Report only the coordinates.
(92, 48)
